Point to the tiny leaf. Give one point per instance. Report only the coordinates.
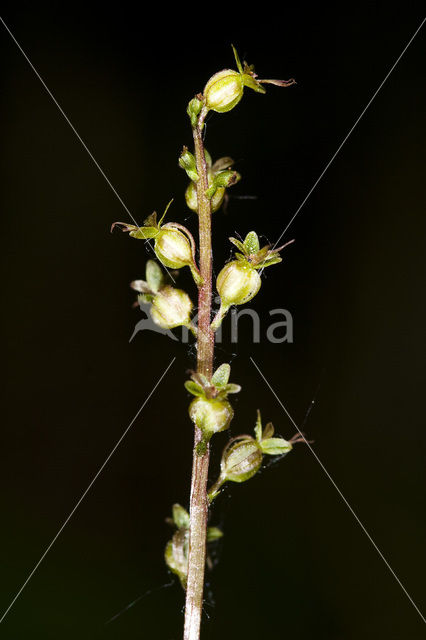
(237, 59)
(275, 446)
(268, 431)
(252, 83)
(214, 533)
(269, 262)
(232, 388)
(251, 243)
(154, 275)
(238, 244)
(221, 164)
(180, 516)
(144, 233)
(221, 376)
(194, 388)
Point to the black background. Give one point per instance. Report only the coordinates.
(294, 563)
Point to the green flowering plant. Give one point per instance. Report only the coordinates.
(239, 280)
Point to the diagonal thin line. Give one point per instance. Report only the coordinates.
(92, 482)
(108, 181)
(86, 148)
(341, 494)
(333, 157)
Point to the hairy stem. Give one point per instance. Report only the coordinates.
(205, 351)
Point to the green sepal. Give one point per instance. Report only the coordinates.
(275, 446)
(232, 388)
(241, 257)
(180, 516)
(226, 178)
(237, 59)
(144, 233)
(192, 175)
(251, 243)
(238, 244)
(208, 158)
(154, 275)
(211, 190)
(194, 388)
(274, 259)
(222, 163)
(252, 83)
(187, 163)
(268, 431)
(164, 214)
(200, 379)
(221, 376)
(214, 533)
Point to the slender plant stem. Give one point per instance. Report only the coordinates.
(205, 351)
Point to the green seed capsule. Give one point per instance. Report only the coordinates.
(171, 308)
(173, 249)
(210, 415)
(241, 460)
(237, 283)
(224, 90)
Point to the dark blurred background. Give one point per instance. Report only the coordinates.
(294, 563)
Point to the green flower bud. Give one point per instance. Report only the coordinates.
(188, 163)
(237, 283)
(191, 197)
(241, 460)
(192, 200)
(173, 248)
(193, 110)
(171, 308)
(224, 90)
(211, 415)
